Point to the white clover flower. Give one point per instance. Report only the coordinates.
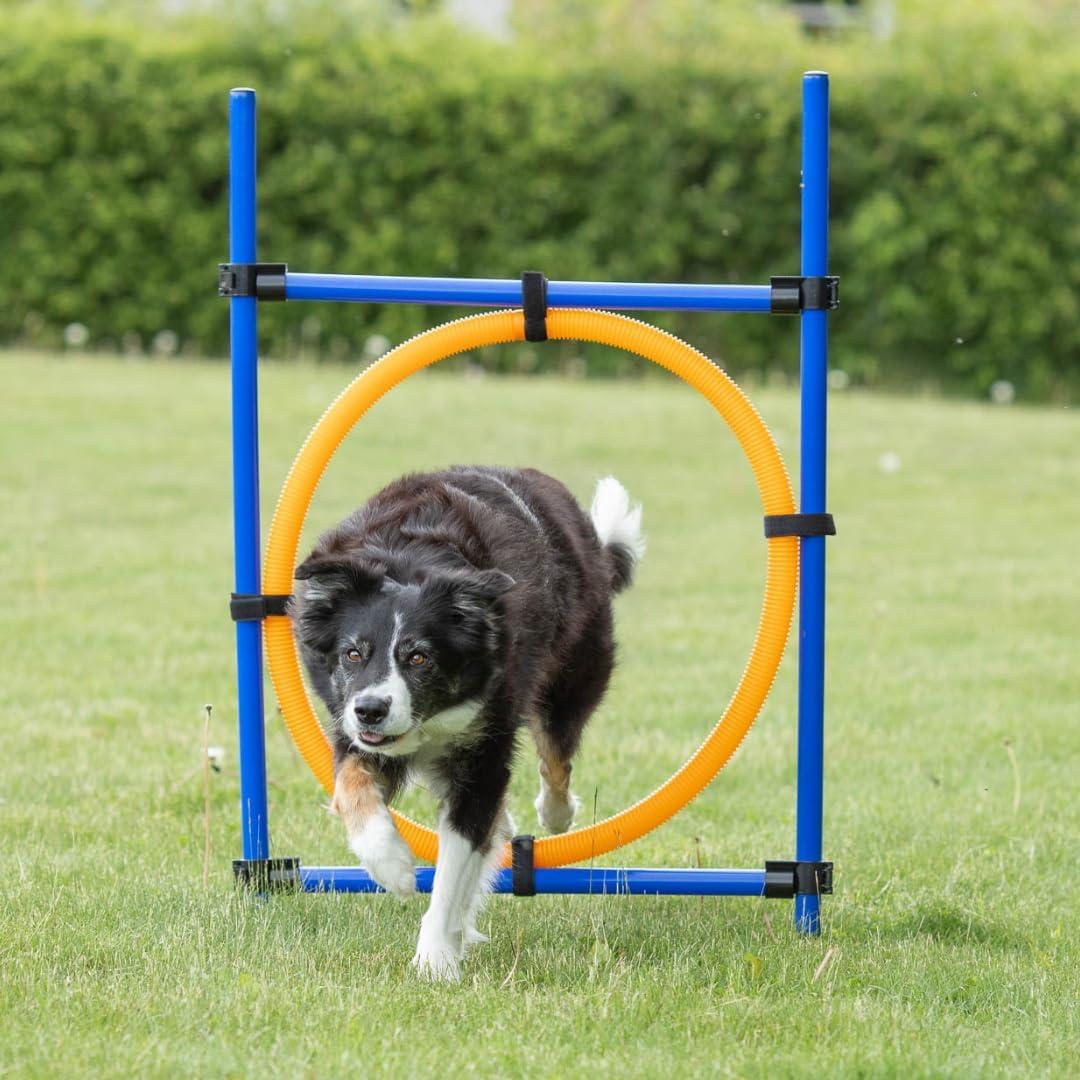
(165, 342)
(1002, 392)
(76, 335)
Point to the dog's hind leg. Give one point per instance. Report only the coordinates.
(556, 805)
(565, 709)
(358, 801)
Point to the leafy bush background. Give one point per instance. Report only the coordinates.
(665, 148)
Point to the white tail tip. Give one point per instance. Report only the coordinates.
(614, 519)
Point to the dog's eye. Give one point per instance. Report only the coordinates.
(417, 659)
(354, 656)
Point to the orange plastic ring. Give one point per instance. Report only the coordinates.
(500, 327)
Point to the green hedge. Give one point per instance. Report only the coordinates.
(421, 150)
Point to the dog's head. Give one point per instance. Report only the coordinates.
(396, 656)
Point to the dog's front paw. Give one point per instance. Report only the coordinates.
(473, 936)
(437, 958)
(386, 857)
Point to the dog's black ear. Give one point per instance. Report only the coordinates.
(469, 593)
(488, 585)
(333, 573)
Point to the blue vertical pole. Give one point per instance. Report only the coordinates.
(814, 362)
(245, 435)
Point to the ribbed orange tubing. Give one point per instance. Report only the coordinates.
(500, 327)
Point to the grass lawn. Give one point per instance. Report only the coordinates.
(953, 699)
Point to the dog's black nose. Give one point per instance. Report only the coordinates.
(371, 710)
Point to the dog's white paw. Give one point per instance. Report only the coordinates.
(475, 937)
(437, 958)
(556, 813)
(470, 935)
(386, 857)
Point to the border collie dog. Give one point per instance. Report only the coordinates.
(451, 609)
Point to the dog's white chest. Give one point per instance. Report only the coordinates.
(438, 736)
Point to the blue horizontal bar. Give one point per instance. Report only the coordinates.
(493, 292)
(598, 881)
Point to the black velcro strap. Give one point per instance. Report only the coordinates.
(799, 525)
(522, 873)
(534, 304)
(251, 607)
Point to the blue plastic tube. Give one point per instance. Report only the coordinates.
(582, 880)
(245, 447)
(814, 382)
(491, 292)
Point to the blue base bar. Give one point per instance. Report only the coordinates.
(602, 881)
(493, 292)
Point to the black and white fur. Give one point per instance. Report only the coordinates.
(445, 613)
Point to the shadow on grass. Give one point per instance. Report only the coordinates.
(949, 925)
(560, 942)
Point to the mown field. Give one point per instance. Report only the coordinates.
(951, 812)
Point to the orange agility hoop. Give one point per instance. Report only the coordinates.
(500, 327)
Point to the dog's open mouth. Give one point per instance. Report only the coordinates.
(377, 738)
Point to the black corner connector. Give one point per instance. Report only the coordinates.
(794, 294)
(522, 872)
(264, 281)
(253, 607)
(267, 875)
(785, 879)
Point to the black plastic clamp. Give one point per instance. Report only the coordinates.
(534, 304)
(267, 875)
(799, 525)
(264, 281)
(792, 294)
(253, 607)
(522, 871)
(785, 879)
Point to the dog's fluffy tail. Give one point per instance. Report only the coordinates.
(618, 525)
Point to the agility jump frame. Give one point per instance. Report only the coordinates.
(809, 295)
